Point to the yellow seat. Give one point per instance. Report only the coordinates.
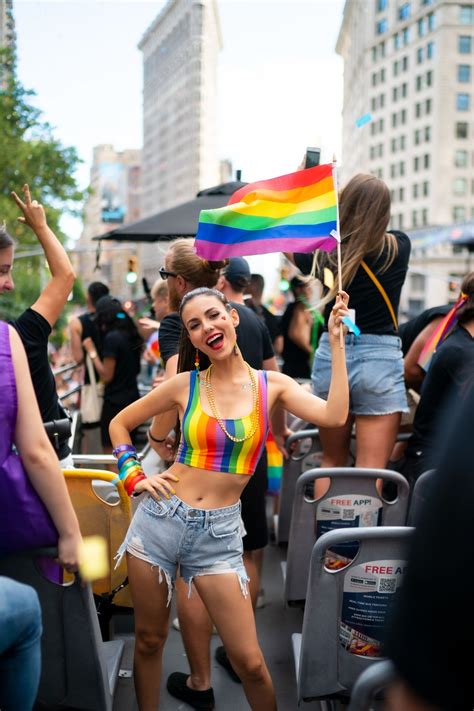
(103, 509)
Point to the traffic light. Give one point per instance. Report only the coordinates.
(132, 275)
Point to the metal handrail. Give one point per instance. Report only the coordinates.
(104, 458)
(65, 368)
(74, 390)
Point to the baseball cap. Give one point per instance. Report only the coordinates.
(237, 272)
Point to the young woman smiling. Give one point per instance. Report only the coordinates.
(191, 514)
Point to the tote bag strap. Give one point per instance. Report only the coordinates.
(382, 291)
(91, 371)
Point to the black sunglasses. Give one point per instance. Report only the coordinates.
(164, 274)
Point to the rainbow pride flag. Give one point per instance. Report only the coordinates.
(440, 334)
(274, 465)
(292, 213)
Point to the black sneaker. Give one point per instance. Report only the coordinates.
(178, 688)
(223, 659)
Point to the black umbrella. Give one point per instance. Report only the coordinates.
(179, 221)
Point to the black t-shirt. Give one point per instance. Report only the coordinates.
(296, 361)
(372, 314)
(433, 625)
(271, 321)
(252, 337)
(34, 332)
(451, 370)
(123, 389)
(89, 330)
(409, 331)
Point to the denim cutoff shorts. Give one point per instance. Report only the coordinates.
(375, 371)
(168, 533)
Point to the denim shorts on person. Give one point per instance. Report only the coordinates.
(375, 372)
(168, 533)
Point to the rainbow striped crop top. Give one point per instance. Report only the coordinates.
(205, 446)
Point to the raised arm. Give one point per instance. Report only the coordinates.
(332, 412)
(40, 461)
(54, 296)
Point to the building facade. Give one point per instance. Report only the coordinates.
(114, 200)
(7, 36)
(408, 117)
(180, 53)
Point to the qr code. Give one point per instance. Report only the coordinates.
(387, 585)
(348, 514)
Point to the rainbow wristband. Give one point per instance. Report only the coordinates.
(123, 448)
(124, 457)
(130, 472)
(128, 465)
(131, 484)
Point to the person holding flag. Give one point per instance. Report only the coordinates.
(374, 263)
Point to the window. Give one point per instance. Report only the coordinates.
(394, 120)
(400, 221)
(380, 150)
(426, 188)
(462, 129)
(402, 168)
(419, 83)
(464, 72)
(372, 152)
(426, 160)
(417, 137)
(427, 133)
(397, 40)
(431, 22)
(465, 44)
(373, 129)
(404, 89)
(421, 27)
(463, 102)
(428, 106)
(459, 186)
(381, 5)
(461, 159)
(402, 143)
(414, 218)
(426, 2)
(405, 63)
(466, 14)
(429, 78)
(382, 100)
(459, 214)
(418, 110)
(382, 49)
(415, 190)
(392, 170)
(403, 116)
(373, 104)
(406, 36)
(381, 124)
(381, 26)
(374, 54)
(404, 11)
(416, 164)
(374, 79)
(419, 55)
(401, 194)
(395, 69)
(382, 75)
(394, 93)
(393, 145)
(430, 48)
(424, 216)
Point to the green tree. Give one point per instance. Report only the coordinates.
(29, 153)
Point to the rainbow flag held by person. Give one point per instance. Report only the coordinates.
(274, 465)
(440, 334)
(293, 213)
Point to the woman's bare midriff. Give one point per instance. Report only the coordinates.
(205, 489)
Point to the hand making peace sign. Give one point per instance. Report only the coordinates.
(33, 213)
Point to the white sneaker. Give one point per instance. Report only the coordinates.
(175, 625)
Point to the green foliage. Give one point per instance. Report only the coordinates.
(31, 154)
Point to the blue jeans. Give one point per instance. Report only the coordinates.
(20, 645)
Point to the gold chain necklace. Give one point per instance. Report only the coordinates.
(255, 407)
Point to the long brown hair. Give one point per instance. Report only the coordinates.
(364, 214)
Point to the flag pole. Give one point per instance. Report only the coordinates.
(339, 258)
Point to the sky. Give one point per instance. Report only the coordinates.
(280, 80)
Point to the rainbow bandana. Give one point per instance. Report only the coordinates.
(292, 213)
(440, 334)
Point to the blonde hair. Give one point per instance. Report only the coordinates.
(364, 214)
(197, 272)
(159, 290)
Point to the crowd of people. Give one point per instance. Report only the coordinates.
(231, 370)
